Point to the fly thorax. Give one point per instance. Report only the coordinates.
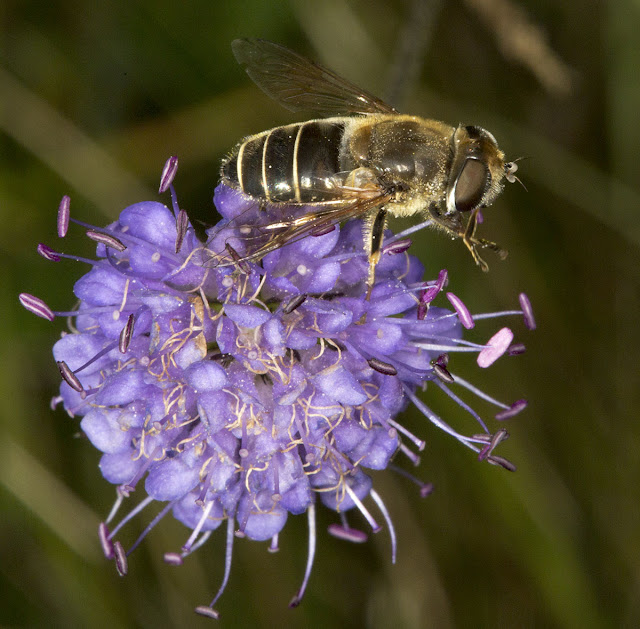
(407, 151)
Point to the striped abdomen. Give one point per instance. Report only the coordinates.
(296, 163)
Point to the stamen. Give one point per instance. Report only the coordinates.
(150, 526)
(121, 559)
(173, 559)
(419, 443)
(125, 335)
(48, 253)
(427, 295)
(235, 256)
(435, 419)
(412, 456)
(502, 462)
(515, 349)
(139, 507)
(513, 410)
(460, 402)
(63, 216)
(105, 541)
(116, 506)
(273, 547)
(168, 173)
(202, 540)
(69, 377)
(208, 610)
(463, 313)
(36, 306)
(106, 240)
(196, 531)
(311, 553)
(385, 512)
(348, 534)
(396, 247)
(365, 512)
(443, 279)
(105, 350)
(203, 610)
(294, 303)
(495, 439)
(496, 346)
(478, 392)
(182, 224)
(440, 368)
(411, 230)
(425, 488)
(381, 367)
(527, 311)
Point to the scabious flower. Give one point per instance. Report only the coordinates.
(245, 392)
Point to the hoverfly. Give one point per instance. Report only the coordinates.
(365, 160)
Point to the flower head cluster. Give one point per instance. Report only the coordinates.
(241, 393)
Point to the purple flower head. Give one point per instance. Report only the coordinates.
(245, 392)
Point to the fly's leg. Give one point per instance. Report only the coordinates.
(376, 234)
(471, 242)
(454, 225)
(468, 238)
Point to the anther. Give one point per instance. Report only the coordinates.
(182, 223)
(440, 368)
(426, 490)
(397, 247)
(106, 240)
(168, 173)
(381, 367)
(463, 312)
(121, 559)
(48, 253)
(69, 377)
(294, 303)
(348, 534)
(105, 542)
(173, 559)
(36, 306)
(63, 216)
(514, 409)
(502, 462)
(443, 279)
(493, 443)
(527, 311)
(235, 256)
(209, 612)
(125, 335)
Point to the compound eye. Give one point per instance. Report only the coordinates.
(471, 185)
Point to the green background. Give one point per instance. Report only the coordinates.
(93, 99)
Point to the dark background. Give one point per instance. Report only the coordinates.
(93, 99)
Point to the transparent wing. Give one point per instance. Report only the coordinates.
(303, 85)
(250, 235)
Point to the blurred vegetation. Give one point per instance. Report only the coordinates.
(95, 97)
